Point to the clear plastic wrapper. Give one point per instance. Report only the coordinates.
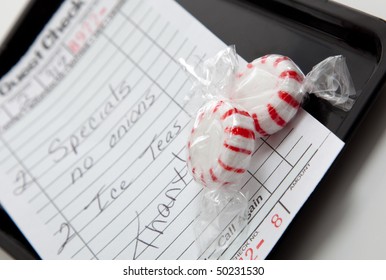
(220, 145)
(233, 108)
(331, 80)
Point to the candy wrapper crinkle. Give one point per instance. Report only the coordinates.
(233, 107)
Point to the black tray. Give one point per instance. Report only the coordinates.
(306, 31)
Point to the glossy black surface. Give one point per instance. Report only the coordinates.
(307, 31)
(24, 32)
(13, 241)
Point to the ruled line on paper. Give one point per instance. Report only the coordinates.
(129, 204)
(262, 185)
(140, 135)
(111, 129)
(274, 170)
(90, 65)
(134, 180)
(36, 182)
(242, 188)
(89, 149)
(140, 173)
(278, 202)
(138, 254)
(50, 59)
(90, 185)
(177, 51)
(50, 184)
(180, 233)
(123, 191)
(106, 152)
(148, 76)
(86, 70)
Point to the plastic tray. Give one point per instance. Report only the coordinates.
(306, 31)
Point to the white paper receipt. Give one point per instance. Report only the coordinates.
(93, 134)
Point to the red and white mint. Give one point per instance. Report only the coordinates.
(270, 90)
(221, 144)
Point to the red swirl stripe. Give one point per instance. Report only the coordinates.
(264, 59)
(275, 116)
(237, 149)
(203, 179)
(218, 105)
(213, 176)
(291, 75)
(280, 59)
(230, 168)
(289, 99)
(234, 111)
(258, 128)
(240, 131)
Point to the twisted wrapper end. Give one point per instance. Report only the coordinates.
(331, 81)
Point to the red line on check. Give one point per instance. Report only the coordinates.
(260, 243)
